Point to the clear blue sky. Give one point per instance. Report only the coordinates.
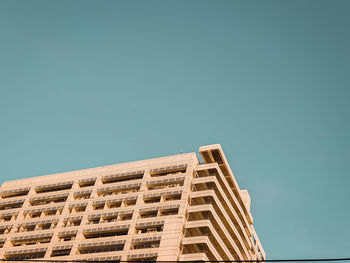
(91, 83)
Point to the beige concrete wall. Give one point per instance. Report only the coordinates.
(173, 244)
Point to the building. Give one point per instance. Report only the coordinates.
(170, 208)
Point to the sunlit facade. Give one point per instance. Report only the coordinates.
(170, 208)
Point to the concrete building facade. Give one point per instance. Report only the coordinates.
(170, 208)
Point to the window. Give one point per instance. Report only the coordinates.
(25, 256)
(53, 188)
(5, 218)
(121, 178)
(150, 200)
(33, 241)
(168, 212)
(26, 228)
(66, 237)
(148, 229)
(171, 197)
(111, 233)
(129, 202)
(119, 190)
(5, 230)
(47, 226)
(93, 221)
(114, 205)
(48, 201)
(11, 206)
(77, 209)
(124, 217)
(110, 219)
(162, 186)
(148, 244)
(60, 252)
(102, 249)
(169, 172)
(35, 215)
(82, 196)
(87, 182)
(144, 260)
(50, 213)
(71, 222)
(98, 207)
(148, 214)
(15, 193)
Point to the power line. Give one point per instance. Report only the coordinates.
(181, 261)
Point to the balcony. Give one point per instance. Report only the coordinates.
(53, 187)
(194, 245)
(14, 192)
(213, 169)
(204, 228)
(215, 194)
(205, 211)
(11, 204)
(216, 229)
(194, 257)
(122, 177)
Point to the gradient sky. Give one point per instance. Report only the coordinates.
(91, 83)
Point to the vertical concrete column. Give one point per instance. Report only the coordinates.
(20, 217)
(80, 237)
(136, 208)
(32, 193)
(64, 214)
(170, 246)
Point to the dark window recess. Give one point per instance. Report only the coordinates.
(5, 230)
(93, 221)
(122, 179)
(31, 242)
(82, 196)
(164, 173)
(77, 209)
(106, 234)
(11, 206)
(60, 252)
(44, 226)
(26, 256)
(53, 189)
(150, 200)
(109, 219)
(169, 212)
(5, 218)
(27, 228)
(102, 249)
(48, 201)
(68, 237)
(98, 207)
(14, 194)
(163, 186)
(149, 229)
(87, 184)
(114, 205)
(125, 217)
(144, 260)
(148, 214)
(152, 244)
(171, 197)
(129, 202)
(133, 189)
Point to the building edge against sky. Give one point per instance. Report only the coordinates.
(169, 208)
